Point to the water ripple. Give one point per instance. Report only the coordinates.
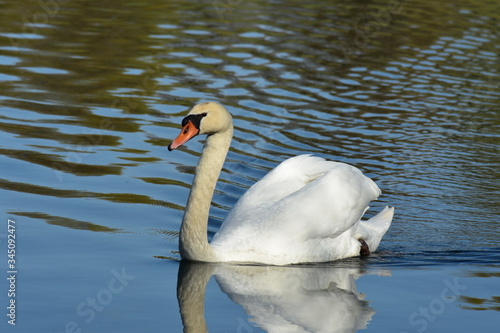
(89, 105)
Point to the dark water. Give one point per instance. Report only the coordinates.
(91, 93)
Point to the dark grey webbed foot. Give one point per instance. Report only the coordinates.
(364, 251)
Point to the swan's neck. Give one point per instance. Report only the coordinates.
(193, 241)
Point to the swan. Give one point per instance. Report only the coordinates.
(306, 210)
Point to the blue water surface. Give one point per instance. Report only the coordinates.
(92, 93)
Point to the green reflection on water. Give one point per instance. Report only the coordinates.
(66, 222)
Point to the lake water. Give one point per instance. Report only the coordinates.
(92, 92)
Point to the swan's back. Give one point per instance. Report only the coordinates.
(307, 209)
(289, 177)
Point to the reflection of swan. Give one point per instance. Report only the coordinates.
(278, 299)
(191, 285)
(305, 210)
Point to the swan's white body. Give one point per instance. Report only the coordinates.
(305, 210)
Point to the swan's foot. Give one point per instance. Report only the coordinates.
(364, 251)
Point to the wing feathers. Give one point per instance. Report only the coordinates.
(304, 197)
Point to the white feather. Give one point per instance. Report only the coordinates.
(306, 210)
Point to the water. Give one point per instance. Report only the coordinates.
(93, 92)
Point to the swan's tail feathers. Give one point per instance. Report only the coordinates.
(372, 230)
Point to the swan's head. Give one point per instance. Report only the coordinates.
(204, 118)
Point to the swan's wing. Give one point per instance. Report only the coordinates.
(327, 206)
(304, 198)
(288, 177)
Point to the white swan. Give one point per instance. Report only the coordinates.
(305, 210)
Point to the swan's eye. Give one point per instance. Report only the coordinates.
(195, 120)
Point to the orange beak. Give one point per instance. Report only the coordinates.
(188, 132)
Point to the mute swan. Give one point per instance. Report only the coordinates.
(305, 210)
